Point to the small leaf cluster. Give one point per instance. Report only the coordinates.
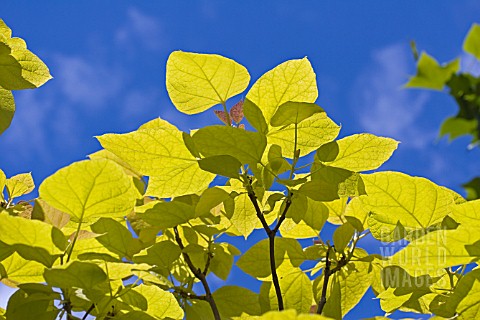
(139, 229)
(463, 87)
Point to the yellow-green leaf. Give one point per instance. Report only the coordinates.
(165, 214)
(196, 82)
(395, 199)
(7, 109)
(18, 270)
(36, 240)
(466, 296)
(91, 188)
(157, 150)
(256, 261)
(467, 214)
(439, 249)
(246, 146)
(294, 113)
(161, 304)
(3, 181)
(19, 67)
(19, 185)
(311, 134)
(295, 286)
(472, 41)
(232, 301)
(430, 74)
(293, 80)
(290, 315)
(359, 152)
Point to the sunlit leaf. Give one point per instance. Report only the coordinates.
(196, 82)
(472, 41)
(19, 67)
(359, 152)
(294, 113)
(157, 150)
(256, 261)
(232, 301)
(430, 74)
(92, 188)
(293, 80)
(7, 109)
(246, 146)
(161, 304)
(19, 185)
(396, 199)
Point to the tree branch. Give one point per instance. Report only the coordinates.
(199, 275)
(327, 272)
(271, 238)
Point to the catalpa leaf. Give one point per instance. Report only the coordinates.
(7, 109)
(196, 82)
(223, 165)
(19, 67)
(347, 287)
(439, 249)
(115, 237)
(293, 80)
(88, 189)
(236, 112)
(83, 275)
(3, 181)
(37, 240)
(165, 215)
(19, 185)
(294, 113)
(246, 146)
(359, 152)
(256, 261)
(466, 295)
(19, 270)
(161, 304)
(290, 314)
(157, 150)
(397, 199)
(295, 286)
(430, 74)
(311, 134)
(472, 41)
(233, 301)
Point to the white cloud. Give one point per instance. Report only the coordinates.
(141, 29)
(87, 82)
(387, 108)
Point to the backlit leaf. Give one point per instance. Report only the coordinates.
(19, 67)
(293, 80)
(157, 150)
(398, 199)
(19, 185)
(77, 274)
(165, 214)
(359, 152)
(472, 41)
(430, 74)
(246, 146)
(294, 113)
(7, 109)
(91, 188)
(223, 165)
(256, 261)
(37, 240)
(311, 134)
(161, 304)
(196, 82)
(232, 301)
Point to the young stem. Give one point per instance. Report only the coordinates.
(295, 156)
(327, 271)
(227, 115)
(199, 275)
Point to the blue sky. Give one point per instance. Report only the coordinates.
(108, 62)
